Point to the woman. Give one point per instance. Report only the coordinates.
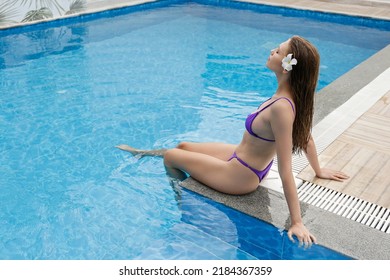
(281, 125)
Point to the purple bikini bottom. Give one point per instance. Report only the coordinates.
(260, 173)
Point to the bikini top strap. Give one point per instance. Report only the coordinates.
(289, 101)
(292, 106)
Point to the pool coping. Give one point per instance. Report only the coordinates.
(353, 239)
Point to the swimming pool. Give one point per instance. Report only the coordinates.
(150, 76)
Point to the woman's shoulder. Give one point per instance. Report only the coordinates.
(283, 105)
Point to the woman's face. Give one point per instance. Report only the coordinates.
(274, 61)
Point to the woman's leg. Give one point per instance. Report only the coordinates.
(207, 163)
(221, 151)
(225, 176)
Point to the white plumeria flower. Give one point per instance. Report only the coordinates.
(288, 62)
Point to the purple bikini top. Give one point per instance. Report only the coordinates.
(249, 120)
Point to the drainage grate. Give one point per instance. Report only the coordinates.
(347, 206)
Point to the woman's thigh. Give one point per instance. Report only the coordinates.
(221, 151)
(225, 176)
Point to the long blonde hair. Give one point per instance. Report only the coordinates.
(303, 82)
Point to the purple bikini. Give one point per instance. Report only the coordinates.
(260, 173)
(248, 125)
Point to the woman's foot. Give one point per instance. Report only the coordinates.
(141, 153)
(129, 149)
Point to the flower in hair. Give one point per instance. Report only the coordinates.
(288, 62)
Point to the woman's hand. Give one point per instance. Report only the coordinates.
(326, 173)
(304, 236)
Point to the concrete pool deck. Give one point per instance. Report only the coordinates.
(268, 203)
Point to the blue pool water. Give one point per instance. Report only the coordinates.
(149, 76)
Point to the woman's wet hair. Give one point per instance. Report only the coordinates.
(303, 82)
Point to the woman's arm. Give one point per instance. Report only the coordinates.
(282, 124)
(311, 155)
(324, 173)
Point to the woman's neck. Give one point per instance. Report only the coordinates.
(284, 89)
(283, 84)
